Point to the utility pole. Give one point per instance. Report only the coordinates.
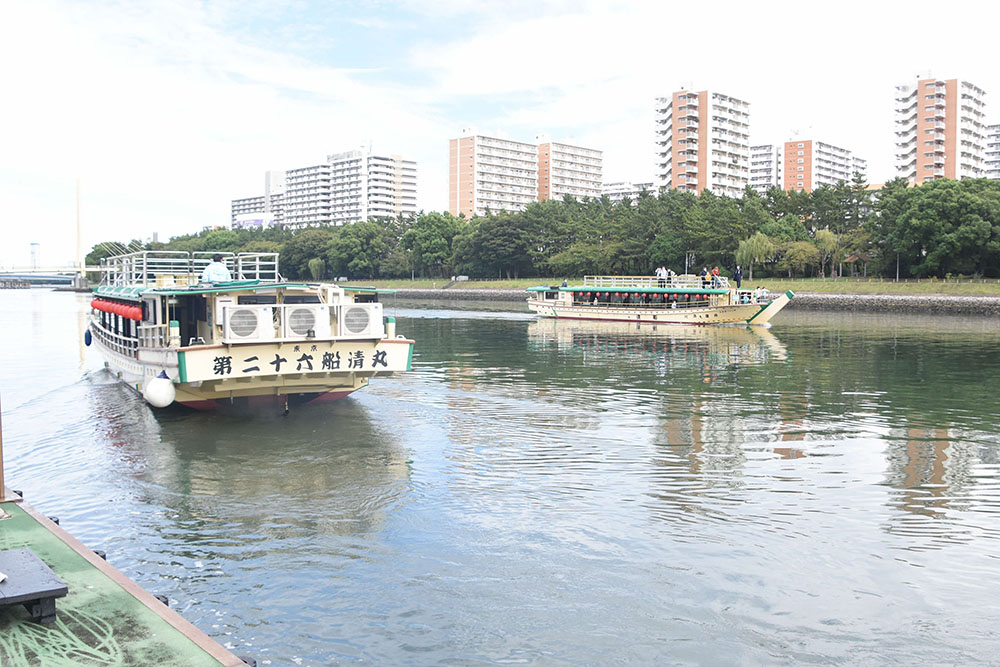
(79, 253)
(81, 277)
(3, 488)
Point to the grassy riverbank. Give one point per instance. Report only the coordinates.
(987, 287)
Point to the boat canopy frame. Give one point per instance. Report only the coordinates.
(170, 268)
(686, 284)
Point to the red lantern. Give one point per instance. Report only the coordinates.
(137, 313)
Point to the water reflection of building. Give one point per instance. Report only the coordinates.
(931, 467)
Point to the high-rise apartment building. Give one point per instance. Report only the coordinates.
(993, 152)
(348, 187)
(263, 211)
(940, 131)
(619, 190)
(809, 164)
(567, 170)
(765, 167)
(703, 142)
(489, 173)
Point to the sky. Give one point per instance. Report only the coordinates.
(165, 111)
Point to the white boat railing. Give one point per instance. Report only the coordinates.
(686, 281)
(153, 335)
(168, 268)
(121, 343)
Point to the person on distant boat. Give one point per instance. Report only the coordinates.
(216, 271)
(565, 284)
(704, 276)
(715, 277)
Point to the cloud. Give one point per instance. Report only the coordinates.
(168, 110)
(166, 119)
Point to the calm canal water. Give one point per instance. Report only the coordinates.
(540, 492)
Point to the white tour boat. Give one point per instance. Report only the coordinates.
(683, 299)
(253, 340)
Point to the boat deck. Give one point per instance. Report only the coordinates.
(105, 619)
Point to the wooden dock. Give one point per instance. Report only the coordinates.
(106, 618)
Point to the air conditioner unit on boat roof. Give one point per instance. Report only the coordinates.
(248, 323)
(305, 321)
(361, 320)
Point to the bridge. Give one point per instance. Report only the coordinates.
(45, 275)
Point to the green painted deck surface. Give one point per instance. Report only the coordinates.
(97, 623)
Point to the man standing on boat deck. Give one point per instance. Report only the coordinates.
(216, 271)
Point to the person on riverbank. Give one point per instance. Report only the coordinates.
(216, 271)
(738, 276)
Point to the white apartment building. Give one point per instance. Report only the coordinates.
(809, 164)
(367, 186)
(621, 190)
(488, 173)
(765, 167)
(348, 187)
(246, 208)
(567, 170)
(262, 211)
(940, 130)
(993, 152)
(702, 142)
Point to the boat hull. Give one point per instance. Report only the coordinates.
(706, 315)
(209, 377)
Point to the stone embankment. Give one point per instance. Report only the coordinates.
(875, 303)
(899, 303)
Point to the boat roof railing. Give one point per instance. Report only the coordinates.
(687, 281)
(145, 268)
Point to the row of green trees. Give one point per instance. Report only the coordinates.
(939, 228)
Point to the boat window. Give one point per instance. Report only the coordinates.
(257, 300)
(149, 311)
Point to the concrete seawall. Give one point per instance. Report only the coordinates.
(875, 303)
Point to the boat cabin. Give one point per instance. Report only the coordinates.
(156, 299)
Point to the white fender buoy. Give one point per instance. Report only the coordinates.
(159, 392)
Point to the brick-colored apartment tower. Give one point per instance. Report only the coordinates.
(567, 170)
(940, 131)
(488, 173)
(703, 142)
(809, 164)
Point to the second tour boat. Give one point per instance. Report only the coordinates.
(683, 299)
